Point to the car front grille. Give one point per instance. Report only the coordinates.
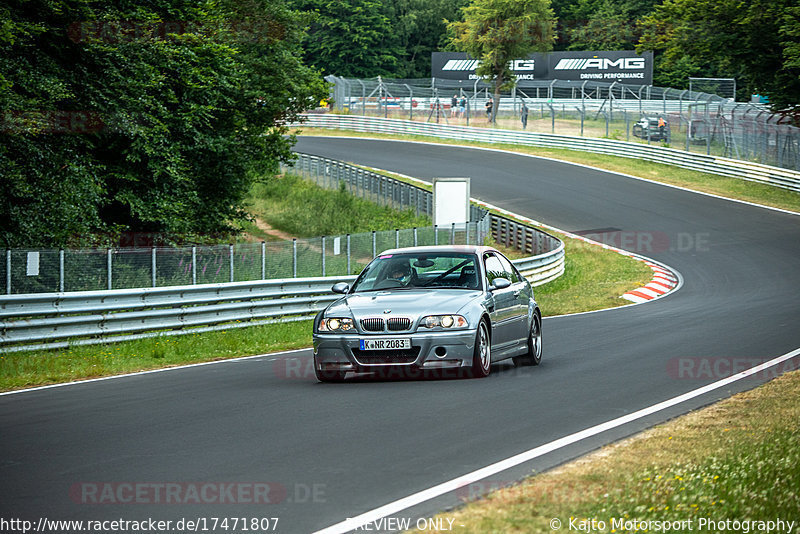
(398, 323)
(393, 324)
(372, 325)
(378, 357)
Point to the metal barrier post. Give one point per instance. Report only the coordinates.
(374, 252)
(323, 255)
(263, 260)
(61, 270)
(153, 265)
(348, 253)
(194, 265)
(294, 257)
(108, 267)
(230, 255)
(8, 271)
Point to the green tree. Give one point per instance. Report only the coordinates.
(420, 29)
(757, 42)
(607, 24)
(497, 32)
(142, 117)
(350, 38)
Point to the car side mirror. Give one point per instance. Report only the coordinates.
(500, 283)
(341, 287)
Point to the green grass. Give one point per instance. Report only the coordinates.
(304, 209)
(593, 279)
(704, 182)
(738, 460)
(27, 369)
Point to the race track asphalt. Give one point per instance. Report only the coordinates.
(332, 451)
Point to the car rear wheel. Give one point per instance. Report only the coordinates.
(482, 356)
(534, 355)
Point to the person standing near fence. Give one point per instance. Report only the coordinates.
(462, 106)
(523, 115)
(453, 106)
(489, 105)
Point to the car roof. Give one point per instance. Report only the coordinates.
(437, 249)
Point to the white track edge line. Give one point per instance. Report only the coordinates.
(468, 478)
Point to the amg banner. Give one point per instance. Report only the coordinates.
(607, 66)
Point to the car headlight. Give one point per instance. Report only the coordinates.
(444, 321)
(336, 324)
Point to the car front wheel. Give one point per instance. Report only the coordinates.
(482, 356)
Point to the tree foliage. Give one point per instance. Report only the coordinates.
(124, 116)
(757, 42)
(604, 24)
(368, 38)
(420, 28)
(497, 32)
(351, 38)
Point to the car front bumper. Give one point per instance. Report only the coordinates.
(430, 350)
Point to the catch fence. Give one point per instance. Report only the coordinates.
(696, 122)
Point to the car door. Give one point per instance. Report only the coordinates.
(504, 302)
(520, 289)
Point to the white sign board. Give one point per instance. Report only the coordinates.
(450, 201)
(32, 266)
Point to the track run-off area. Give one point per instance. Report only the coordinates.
(258, 437)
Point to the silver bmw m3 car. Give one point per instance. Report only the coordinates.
(420, 308)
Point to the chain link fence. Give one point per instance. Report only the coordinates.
(689, 120)
(44, 271)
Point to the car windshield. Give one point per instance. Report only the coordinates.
(410, 271)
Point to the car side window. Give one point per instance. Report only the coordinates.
(511, 272)
(494, 269)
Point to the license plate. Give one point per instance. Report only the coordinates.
(387, 343)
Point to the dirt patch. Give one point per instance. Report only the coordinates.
(267, 229)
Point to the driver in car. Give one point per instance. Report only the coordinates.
(400, 272)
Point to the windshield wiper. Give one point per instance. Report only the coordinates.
(449, 271)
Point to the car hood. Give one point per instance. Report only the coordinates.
(407, 303)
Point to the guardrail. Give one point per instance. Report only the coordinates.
(125, 314)
(540, 268)
(754, 172)
(56, 320)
